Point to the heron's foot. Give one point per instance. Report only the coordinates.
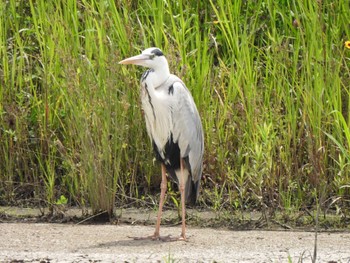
(180, 238)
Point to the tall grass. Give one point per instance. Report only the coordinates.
(271, 81)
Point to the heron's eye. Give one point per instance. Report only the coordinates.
(151, 56)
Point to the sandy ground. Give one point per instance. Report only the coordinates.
(44, 242)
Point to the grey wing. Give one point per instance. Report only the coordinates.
(187, 129)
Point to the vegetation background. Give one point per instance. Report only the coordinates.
(270, 79)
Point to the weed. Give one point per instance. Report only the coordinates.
(270, 80)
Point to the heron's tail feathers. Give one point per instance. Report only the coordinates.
(191, 191)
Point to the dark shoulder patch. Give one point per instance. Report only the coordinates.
(157, 52)
(171, 89)
(145, 74)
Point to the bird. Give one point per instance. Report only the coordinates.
(175, 130)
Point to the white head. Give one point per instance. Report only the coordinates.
(151, 58)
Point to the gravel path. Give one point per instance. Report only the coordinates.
(29, 242)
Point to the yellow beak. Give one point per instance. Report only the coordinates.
(134, 60)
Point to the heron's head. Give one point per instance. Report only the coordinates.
(151, 58)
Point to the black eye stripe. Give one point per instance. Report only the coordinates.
(157, 52)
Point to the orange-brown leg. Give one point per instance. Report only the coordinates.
(163, 188)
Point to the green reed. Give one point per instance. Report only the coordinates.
(270, 80)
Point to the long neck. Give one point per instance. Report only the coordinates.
(160, 74)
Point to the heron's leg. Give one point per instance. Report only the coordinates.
(163, 187)
(183, 207)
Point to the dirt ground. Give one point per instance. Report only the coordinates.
(54, 242)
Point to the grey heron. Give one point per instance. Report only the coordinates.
(174, 127)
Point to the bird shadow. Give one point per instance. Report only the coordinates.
(128, 242)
